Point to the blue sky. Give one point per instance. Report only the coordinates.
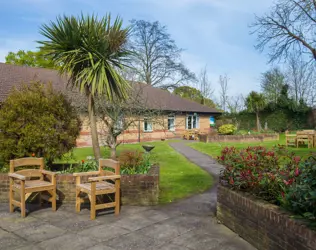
(212, 32)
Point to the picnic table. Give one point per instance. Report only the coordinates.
(301, 137)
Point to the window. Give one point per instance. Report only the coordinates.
(192, 121)
(171, 122)
(148, 125)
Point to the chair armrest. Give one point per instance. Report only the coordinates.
(104, 178)
(86, 173)
(17, 176)
(48, 172)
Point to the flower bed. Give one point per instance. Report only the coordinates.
(276, 176)
(239, 138)
(263, 225)
(138, 189)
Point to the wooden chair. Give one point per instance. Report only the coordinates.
(28, 181)
(105, 182)
(290, 139)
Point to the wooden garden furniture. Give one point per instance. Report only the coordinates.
(24, 182)
(106, 181)
(303, 137)
(290, 140)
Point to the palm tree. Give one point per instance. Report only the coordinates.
(255, 102)
(90, 51)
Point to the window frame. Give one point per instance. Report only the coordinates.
(172, 116)
(148, 121)
(197, 121)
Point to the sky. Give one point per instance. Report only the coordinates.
(213, 33)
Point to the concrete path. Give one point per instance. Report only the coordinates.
(184, 225)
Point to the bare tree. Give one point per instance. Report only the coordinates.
(235, 104)
(223, 83)
(272, 82)
(120, 116)
(204, 85)
(290, 25)
(156, 57)
(301, 80)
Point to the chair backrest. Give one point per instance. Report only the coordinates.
(109, 167)
(28, 172)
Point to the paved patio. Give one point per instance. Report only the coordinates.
(184, 225)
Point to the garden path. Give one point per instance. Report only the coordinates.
(183, 225)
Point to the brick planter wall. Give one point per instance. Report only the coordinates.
(140, 189)
(263, 225)
(239, 138)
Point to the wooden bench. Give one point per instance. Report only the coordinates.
(106, 181)
(27, 181)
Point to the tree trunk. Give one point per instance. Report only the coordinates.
(93, 127)
(258, 121)
(113, 153)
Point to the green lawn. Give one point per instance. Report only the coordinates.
(214, 149)
(179, 178)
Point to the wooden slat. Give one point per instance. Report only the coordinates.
(16, 203)
(106, 191)
(27, 196)
(86, 173)
(30, 161)
(110, 164)
(38, 189)
(17, 176)
(30, 172)
(105, 205)
(104, 178)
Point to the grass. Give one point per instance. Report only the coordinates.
(214, 149)
(179, 178)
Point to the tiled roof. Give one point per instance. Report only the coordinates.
(13, 75)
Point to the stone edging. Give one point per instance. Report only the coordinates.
(263, 225)
(142, 189)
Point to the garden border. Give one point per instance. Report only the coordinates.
(139, 189)
(264, 225)
(239, 138)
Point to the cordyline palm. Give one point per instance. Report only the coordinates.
(255, 102)
(90, 51)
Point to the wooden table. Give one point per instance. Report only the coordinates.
(290, 140)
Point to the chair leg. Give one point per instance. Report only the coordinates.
(78, 200)
(11, 196)
(117, 197)
(93, 201)
(54, 205)
(23, 213)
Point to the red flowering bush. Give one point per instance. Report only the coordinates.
(259, 171)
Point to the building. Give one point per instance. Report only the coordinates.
(176, 115)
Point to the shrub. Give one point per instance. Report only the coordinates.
(37, 121)
(227, 129)
(259, 171)
(300, 197)
(242, 132)
(134, 162)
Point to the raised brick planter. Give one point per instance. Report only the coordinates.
(239, 138)
(140, 189)
(263, 225)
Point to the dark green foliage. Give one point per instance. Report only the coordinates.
(37, 120)
(301, 196)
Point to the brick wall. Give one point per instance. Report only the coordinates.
(160, 130)
(263, 225)
(240, 138)
(135, 189)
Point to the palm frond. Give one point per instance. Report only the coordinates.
(90, 50)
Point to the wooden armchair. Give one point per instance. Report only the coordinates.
(105, 182)
(27, 181)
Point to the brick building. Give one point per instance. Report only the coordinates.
(177, 114)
